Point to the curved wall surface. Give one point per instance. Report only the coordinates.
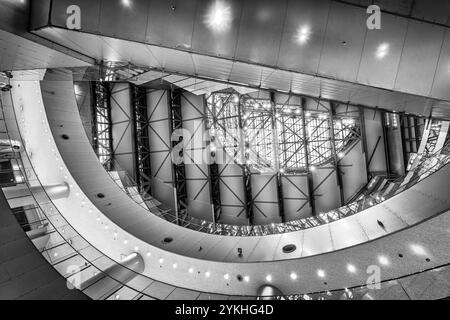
(357, 240)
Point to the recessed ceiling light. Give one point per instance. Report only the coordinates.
(417, 249)
(294, 276)
(191, 270)
(383, 260)
(269, 278)
(246, 278)
(207, 274)
(351, 268)
(175, 265)
(227, 276)
(321, 273)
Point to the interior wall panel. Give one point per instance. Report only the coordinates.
(344, 40)
(382, 51)
(303, 35)
(419, 58)
(217, 38)
(260, 31)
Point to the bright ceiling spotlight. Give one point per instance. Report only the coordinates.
(419, 250)
(269, 278)
(226, 276)
(161, 261)
(175, 265)
(351, 268)
(219, 17)
(294, 276)
(321, 273)
(383, 260)
(247, 279)
(303, 34)
(382, 50)
(207, 274)
(191, 270)
(126, 3)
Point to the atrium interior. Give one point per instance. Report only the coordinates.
(224, 150)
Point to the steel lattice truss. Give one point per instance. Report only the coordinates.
(102, 122)
(299, 138)
(223, 121)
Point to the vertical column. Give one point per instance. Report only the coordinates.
(307, 166)
(179, 173)
(246, 172)
(335, 156)
(276, 158)
(141, 131)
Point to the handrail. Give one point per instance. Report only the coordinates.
(51, 212)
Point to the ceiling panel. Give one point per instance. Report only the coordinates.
(436, 10)
(419, 58)
(398, 6)
(276, 79)
(124, 21)
(213, 67)
(176, 61)
(246, 74)
(344, 41)
(303, 34)
(382, 51)
(316, 240)
(90, 11)
(441, 83)
(17, 53)
(171, 22)
(214, 34)
(260, 31)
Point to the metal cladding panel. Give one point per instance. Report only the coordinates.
(345, 233)
(305, 84)
(173, 60)
(90, 14)
(398, 6)
(295, 192)
(436, 10)
(87, 44)
(40, 13)
(212, 67)
(217, 37)
(326, 192)
(129, 51)
(303, 35)
(21, 54)
(419, 58)
(317, 239)
(264, 193)
(353, 171)
(344, 42)
(124, 21)
(382, 52)
(246, 73)
(441, 82)
(276, 79)
(260, 31)
(171, 22)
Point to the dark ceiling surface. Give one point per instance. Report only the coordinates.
(318, 48)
